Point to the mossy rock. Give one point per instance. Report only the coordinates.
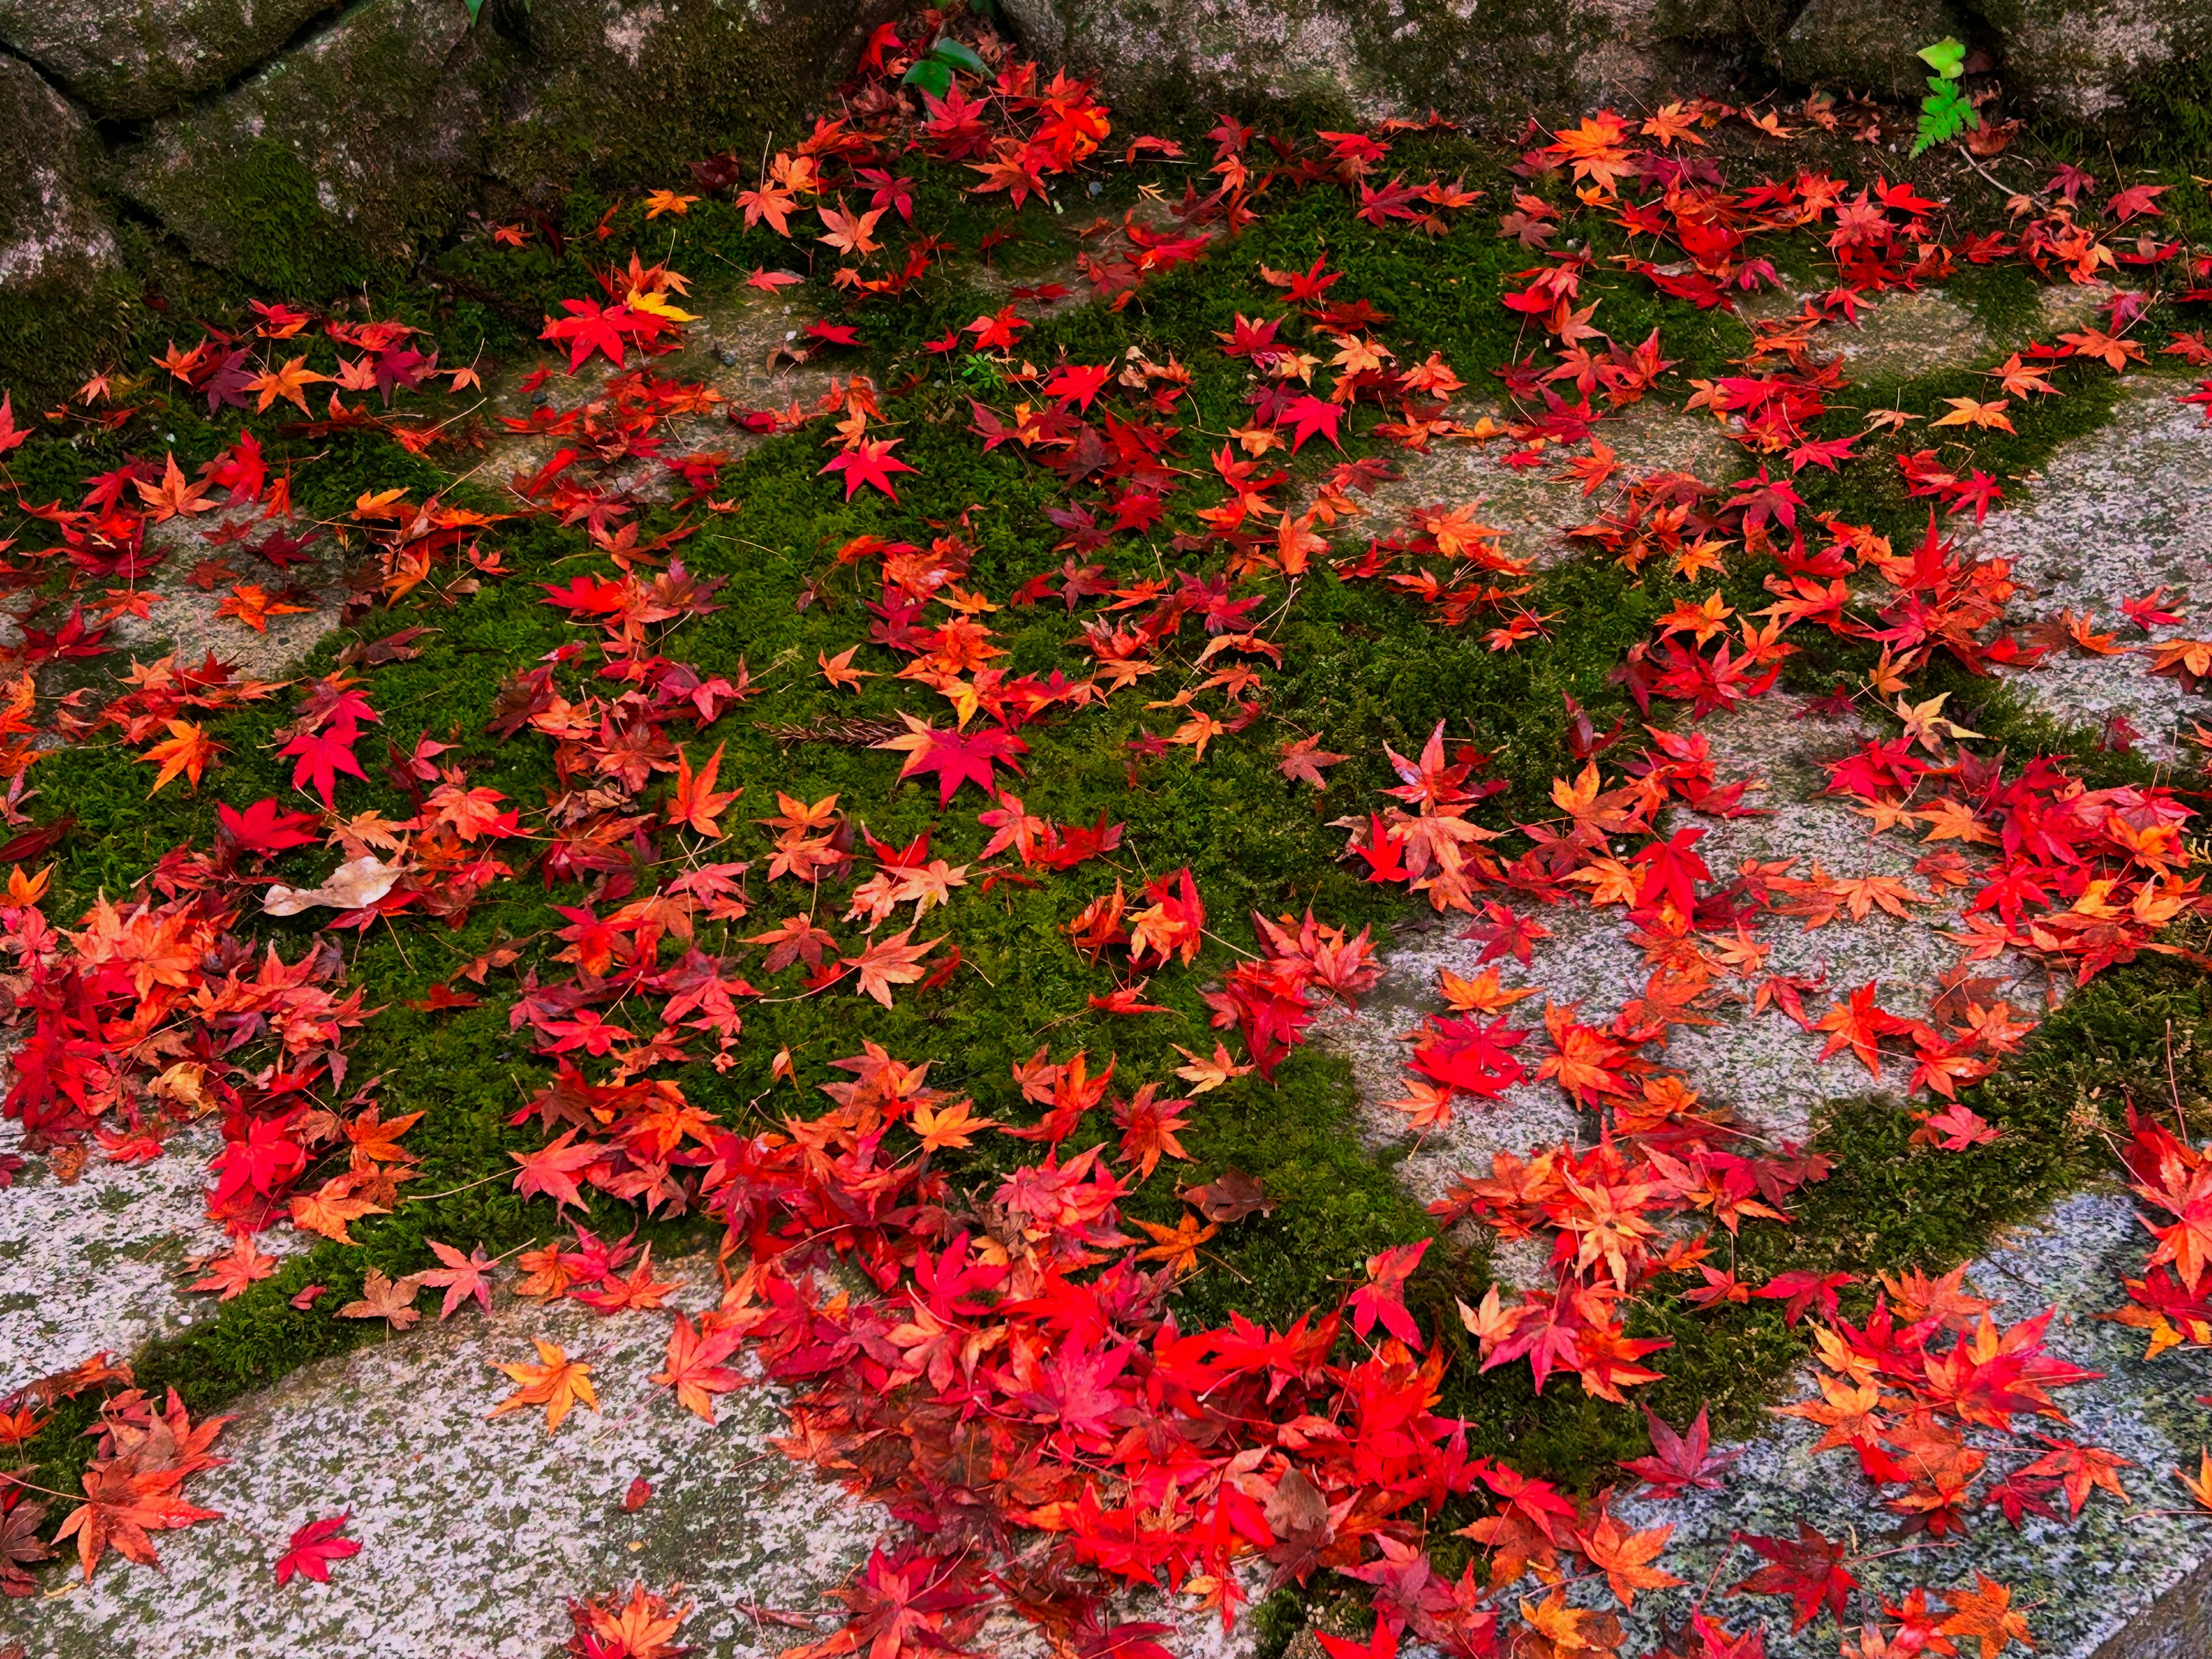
(1867, 46)
(614, 96)
(338, 157)
(1491, 64)
(127, 59)
(2108, 62)
(61, 283)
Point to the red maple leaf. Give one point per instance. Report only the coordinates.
(267, 828)
(1383, 1296)
(869, 462)
(1308, 415)
(319, 756)
(1808, 1569)
(313, 1547)
(955, 756)
(552, 1170)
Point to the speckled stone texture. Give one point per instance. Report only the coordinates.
(2117, 514)
(100, 1262)
(1765, 1067)
(474, 1531)
(2097, 1586)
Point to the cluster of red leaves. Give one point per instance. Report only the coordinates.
(1015, 1387)
(1926, 1419)
(2169, 1302)
(132, 1486)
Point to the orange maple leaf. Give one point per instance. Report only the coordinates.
(695, 804)
(173, 495)
(557, 1383)
(1985, 1613)
(253, 607)
(187, 749)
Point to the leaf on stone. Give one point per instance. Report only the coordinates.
(386, 1299)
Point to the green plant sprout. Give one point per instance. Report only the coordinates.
(1947, 110)
(932, 71)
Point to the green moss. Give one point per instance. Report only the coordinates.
(1361, 668)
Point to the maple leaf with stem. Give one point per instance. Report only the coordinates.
(695, 1367)
(869, 462)
(318, 757)
(890, 962)
(1383, 1296)
(557, 1382)
(291, 383)
(1176, 1246)
(696, 804)
(1985, 1613)
(2081, 1469)
(955, 756)
(1302, 759)
(173, 495)
(386, 1299)
(1311, 414)
(1203, 1074)
(639, 1628)
(1808, 1569)
(551, 1168)
(849, 232)
(1858, 1024)
(1148, 1128)
(331, 1207)
(250, 604)
(1966, 412)
(948, 1128)
(640, 1290)
(1625, 1558)
(231, 1273)
(187, 750)
(313, 1547)
(121, 1506)
(1679, 1461)
(461, 1277)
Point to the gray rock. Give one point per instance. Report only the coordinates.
(2118, 1583)
(52, 228)
(2086, 59)
(475, 1530)
(2118, 512)
(133, 58)
(635, 90)
(338, 156)
(1868, 46)
(1393, 57)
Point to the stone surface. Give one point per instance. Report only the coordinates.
(100, 1262)
(1868, 46)
(335, 157)
(637, 88)
(1401, 58)
(1533, 506)
(2094, 1587)
(2115, 514)
(474, 1532)
(54, 232)
(1764, 1067)
(2085, 59)
(131, 58)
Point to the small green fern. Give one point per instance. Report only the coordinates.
(1947, 110)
